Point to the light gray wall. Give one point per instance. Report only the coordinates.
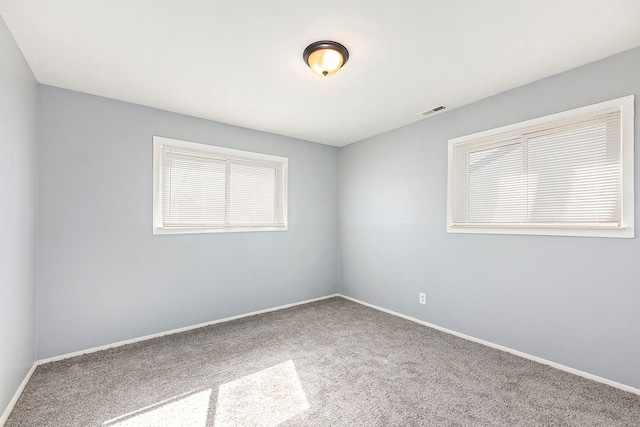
(571, 300)
(18, 197)
(103, 276)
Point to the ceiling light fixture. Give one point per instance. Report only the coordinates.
(325, 57)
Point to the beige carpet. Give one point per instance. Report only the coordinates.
(329, 363)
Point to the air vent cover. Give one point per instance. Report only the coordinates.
(434, 110)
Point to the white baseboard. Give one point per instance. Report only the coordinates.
(176, 331)
(574, 371)
(16, 395)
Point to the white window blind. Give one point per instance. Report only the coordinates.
(562, 172)
(203, 188)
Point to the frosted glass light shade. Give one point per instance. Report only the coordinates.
(325, 61)
(325, 57)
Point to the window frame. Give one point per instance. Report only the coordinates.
(627, 141)
(278, 162)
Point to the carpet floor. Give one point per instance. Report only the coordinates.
(327, 363)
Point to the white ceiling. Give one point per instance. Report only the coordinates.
(240, 62)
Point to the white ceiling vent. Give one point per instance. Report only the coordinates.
(434, 110)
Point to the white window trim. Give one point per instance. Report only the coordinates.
(626, 230)
(159, 141)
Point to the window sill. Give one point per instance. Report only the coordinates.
(592, 231)
(166, 230)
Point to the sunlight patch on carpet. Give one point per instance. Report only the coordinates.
(266, 398)
(190, 410)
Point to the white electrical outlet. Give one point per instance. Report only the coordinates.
(423, 298)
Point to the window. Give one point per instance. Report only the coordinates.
(566, 174)
(199, 188)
